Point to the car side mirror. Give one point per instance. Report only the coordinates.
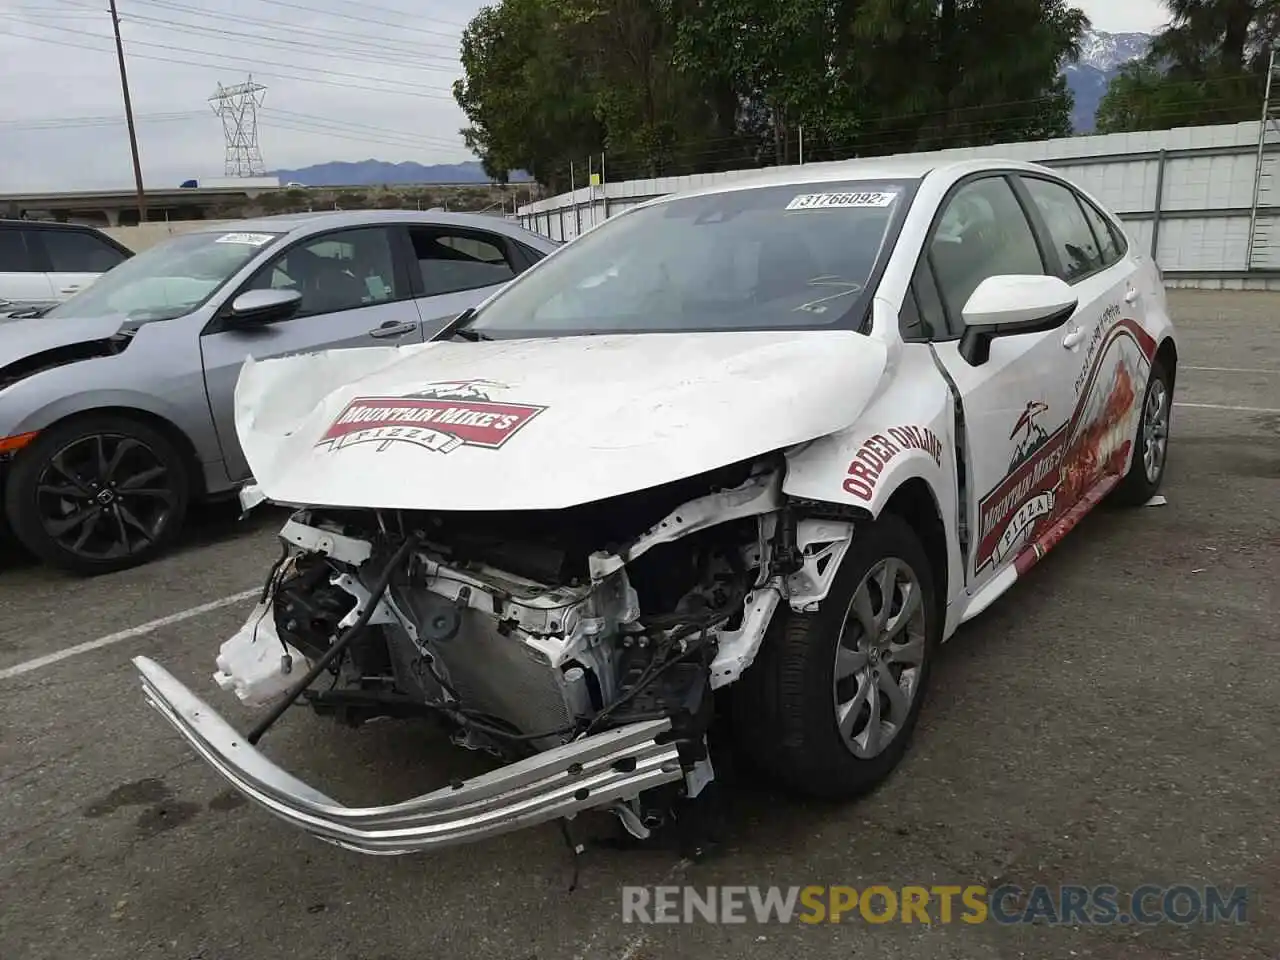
(1005, 306)
(264, 306)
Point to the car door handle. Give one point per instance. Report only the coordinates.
(393, 329)
(1073, 339)
(71, 289)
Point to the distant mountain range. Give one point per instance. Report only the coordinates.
(1102, 55)
(341, 173)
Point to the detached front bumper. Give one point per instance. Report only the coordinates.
(578, 776)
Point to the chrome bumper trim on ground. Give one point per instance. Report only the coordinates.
(577, 776)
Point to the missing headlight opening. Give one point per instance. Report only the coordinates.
(533, 635)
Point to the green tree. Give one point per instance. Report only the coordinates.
(676, 86)
(1208, 66)
(654, 115)
(523, 92)
(886, 76)
(775, 55)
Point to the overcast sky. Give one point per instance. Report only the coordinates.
(346, 80)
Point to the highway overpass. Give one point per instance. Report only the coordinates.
(120, 207)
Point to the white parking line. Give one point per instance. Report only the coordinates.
(1224, 406)
(1232, 369)
(133, 632)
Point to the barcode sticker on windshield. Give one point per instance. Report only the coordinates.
(825, 201)
(252, 239)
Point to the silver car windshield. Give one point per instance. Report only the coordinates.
(168, 280)
(755, 258)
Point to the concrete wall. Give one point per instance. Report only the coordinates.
(1184, 194)
(144, 235)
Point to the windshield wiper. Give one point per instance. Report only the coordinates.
(28, 313)
(457, 327)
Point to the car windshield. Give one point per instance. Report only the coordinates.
(168, 280)
(762, 258)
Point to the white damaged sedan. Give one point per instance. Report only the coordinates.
(748, 454)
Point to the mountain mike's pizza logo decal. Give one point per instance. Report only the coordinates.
(441, 417)
(1050, 473)
(1028, 433)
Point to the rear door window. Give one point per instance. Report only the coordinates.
(73, 251)
(14, 255)
(1108, 240)
(451, 261)
(1072, 236)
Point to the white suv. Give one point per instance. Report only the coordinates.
(47, 262)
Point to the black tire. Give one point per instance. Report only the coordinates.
(1138, 486)
(783, 709)
(52, 482)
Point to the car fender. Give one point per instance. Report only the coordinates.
(906, 434)
(35, 418)
(159, 372)
(61, 408)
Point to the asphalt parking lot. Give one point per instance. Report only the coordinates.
(1112, 720)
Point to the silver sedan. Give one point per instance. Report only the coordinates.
(116, 407)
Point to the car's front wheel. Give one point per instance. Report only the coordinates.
(830, 703)
(97, 494)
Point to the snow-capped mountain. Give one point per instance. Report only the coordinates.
(1102, 55)
(1110, 51)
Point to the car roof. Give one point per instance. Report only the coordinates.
(19, 223)
(903, 167)
(320, 220)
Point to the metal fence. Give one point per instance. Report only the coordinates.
(1192, 196)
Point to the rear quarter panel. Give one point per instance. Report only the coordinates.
(1153, 316)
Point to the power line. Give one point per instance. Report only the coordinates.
(275, 117)
(311, 11)
(355, 52)
(249, 60)
(374, 42)
(405, 13)
(268, 73)
(275, 114)
(363, 137)
(108, 120)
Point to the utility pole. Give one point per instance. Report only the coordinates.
(128, 116)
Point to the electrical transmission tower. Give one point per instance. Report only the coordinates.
(237, 106)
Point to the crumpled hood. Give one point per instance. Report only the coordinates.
(542, 423)
(31, 335)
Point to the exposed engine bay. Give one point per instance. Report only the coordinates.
(526, 631)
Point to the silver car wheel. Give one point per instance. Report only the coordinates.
(879, 657)
(1155, 430)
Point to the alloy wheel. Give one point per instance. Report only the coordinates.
(105, 496)
(879, 658)
(1155, 430)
